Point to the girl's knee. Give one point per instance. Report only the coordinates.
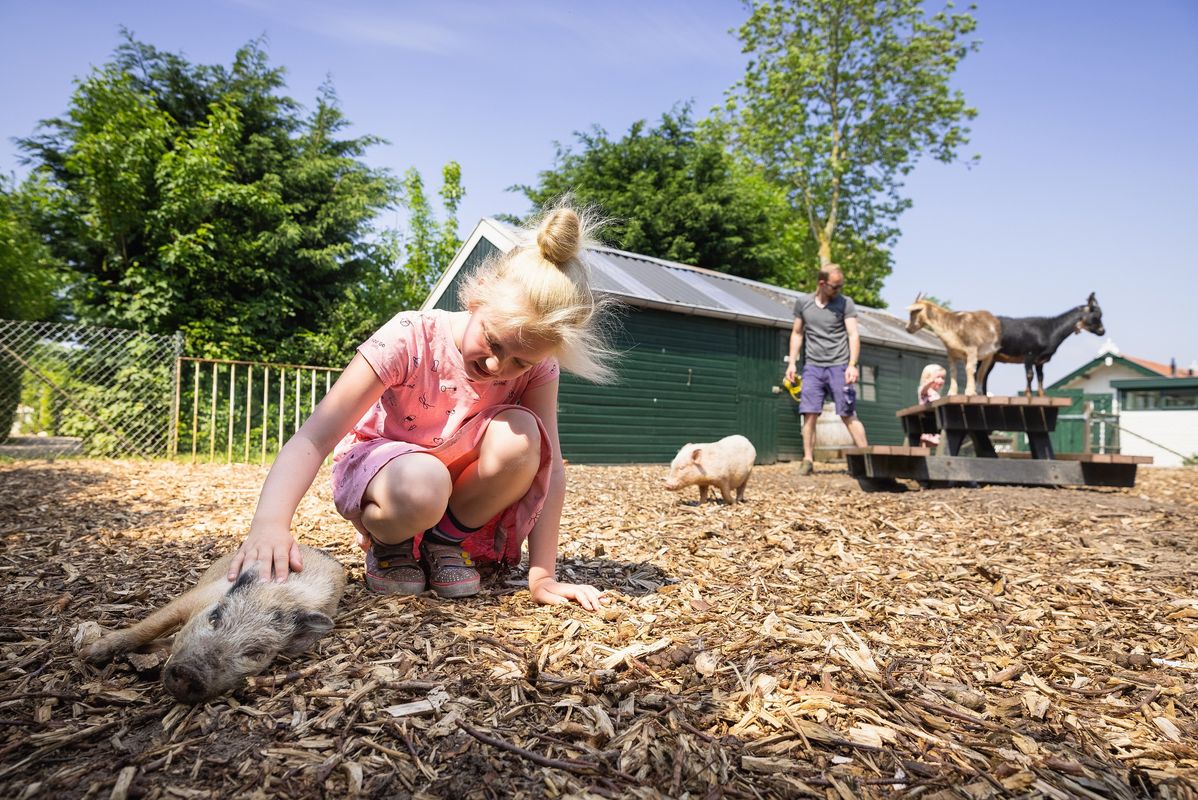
(514, 437)
(416, 484)
(520, 428)
(521, 421)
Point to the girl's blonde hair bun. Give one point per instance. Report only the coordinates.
(542, 288)
(559, 236)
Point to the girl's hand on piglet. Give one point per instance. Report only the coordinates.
(551, 592)
(273, 552)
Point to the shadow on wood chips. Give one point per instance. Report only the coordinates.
(814, 641)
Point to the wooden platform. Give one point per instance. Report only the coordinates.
(877, 468)
(975, 417)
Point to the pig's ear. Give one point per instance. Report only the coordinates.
(245, 580)
(696, 453)
(309, 626)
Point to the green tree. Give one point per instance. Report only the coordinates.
(31, 274)
(412, 264)
(430, 245)
(840, 100)
(200, 198)
(675, 191)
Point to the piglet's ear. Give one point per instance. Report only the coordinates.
(696, 453)
(309, 626)
(245, 580)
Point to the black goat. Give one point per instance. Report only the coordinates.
(1032, 341)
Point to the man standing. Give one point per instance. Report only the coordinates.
(828, 321)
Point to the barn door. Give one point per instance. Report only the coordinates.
(758, 371)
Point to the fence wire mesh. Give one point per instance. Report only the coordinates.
(85, 390)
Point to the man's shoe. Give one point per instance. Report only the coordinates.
(806, 468)
(451, 572)
(391, 569)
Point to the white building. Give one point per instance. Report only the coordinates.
(1156, 404)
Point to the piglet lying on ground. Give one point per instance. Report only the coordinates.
(725, 464)
(231, 631)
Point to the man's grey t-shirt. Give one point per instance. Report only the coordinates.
(825, 340)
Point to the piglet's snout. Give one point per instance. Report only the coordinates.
(185, 683)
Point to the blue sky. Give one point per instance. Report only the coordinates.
(1087, 126)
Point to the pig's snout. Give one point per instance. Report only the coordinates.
(185, 683)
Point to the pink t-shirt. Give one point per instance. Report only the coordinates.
(929, 395)
(428, 395)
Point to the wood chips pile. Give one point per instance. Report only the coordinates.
(815, 641)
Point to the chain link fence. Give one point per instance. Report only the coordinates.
(86, 390)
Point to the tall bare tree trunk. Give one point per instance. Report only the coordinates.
(825, 249)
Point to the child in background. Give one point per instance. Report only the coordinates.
(931, 381)
(445, 430)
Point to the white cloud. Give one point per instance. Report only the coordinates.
(388, 26)
(620, 34)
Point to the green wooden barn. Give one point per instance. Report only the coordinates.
(703, 357)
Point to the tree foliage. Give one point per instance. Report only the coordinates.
(419, 258)
(201, 198)
(431, 245)
(676, 192)
(29, 281)
(31, 274)
(840, 99)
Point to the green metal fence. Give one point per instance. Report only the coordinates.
(242, 411)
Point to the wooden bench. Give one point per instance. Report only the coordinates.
(876, 468)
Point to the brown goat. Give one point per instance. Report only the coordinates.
(971, 337)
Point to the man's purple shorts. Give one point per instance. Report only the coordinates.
(819, 382)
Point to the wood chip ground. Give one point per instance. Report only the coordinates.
(815, 641)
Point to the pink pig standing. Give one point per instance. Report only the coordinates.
(725, 464)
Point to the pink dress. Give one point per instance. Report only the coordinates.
(431, 406)
(927, 396)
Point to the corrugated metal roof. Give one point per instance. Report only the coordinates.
(656, 283)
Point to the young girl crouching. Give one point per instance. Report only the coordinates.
(444, 430)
